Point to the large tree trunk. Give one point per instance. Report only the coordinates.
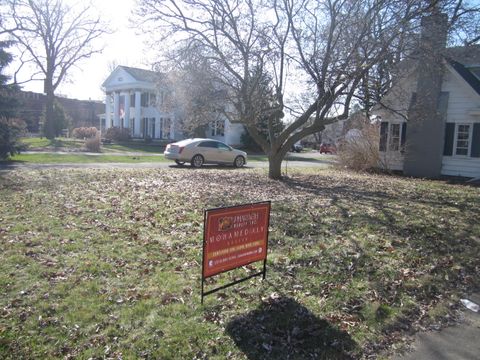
(49, 113)
(275, 166)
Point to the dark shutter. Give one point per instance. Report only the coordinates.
(383, 135)
(449, 133)
(476, 140)
(404, 136)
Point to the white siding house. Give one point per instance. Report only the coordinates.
(458, 105)
(134, 100)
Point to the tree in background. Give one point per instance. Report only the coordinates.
(8, 102)
(188, 84)
(10, 128)
(325, 48)
(61, 120)
(54, 37)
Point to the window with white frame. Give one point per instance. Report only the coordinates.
(217, 128)
(394, 137)
(462, 139)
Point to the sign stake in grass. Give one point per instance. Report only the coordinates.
(233, 237)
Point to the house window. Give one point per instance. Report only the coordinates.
(144, 100)
(394, 137)
(165, 127)
(217, 128)
(152, 100)
(462, 139)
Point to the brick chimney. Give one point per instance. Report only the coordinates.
(426, 118)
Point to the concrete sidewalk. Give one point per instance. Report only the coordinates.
(459, 342)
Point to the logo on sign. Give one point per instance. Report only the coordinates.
(225, 223)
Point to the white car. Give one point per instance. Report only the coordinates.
(204, 151)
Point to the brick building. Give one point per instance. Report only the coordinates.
(82, 112)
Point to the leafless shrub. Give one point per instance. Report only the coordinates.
(359, 151)
(84, 132)
(117, 134)
(93, 144)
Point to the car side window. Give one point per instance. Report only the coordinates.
(222, 146)
(208, 144)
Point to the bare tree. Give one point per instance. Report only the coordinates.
(325, 47)
(54, 37)
(190, 88)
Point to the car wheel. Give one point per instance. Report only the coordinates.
(197, 161)
(239, 161)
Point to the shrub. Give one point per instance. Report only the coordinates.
(84, 132)
(117, 134)
(10, 132)
(359, 151)
(93, 144)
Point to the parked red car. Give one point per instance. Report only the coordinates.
(327, 149)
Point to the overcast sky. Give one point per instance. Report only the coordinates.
(123, 47)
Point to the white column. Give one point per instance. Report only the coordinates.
(157, 127)
(138, 114)
(172, 127)
(108, 112)
(127, 110)
(116, 109)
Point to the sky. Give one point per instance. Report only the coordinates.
(122, 47)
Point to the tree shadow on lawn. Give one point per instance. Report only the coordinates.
(407, 221)
(282, 328)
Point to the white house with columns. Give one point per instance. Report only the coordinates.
(135, 101)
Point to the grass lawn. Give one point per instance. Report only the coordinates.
(47, 144)
(107, 263)
(134, 147)
(52, 158)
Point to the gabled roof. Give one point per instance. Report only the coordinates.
(463, 57)
(141, 74)
(467, 75)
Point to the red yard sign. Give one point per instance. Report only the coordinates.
(234, 237)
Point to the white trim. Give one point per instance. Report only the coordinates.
(400, 124)
(455, 139)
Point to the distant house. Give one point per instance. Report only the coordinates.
(136, 100)
(430, 121)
